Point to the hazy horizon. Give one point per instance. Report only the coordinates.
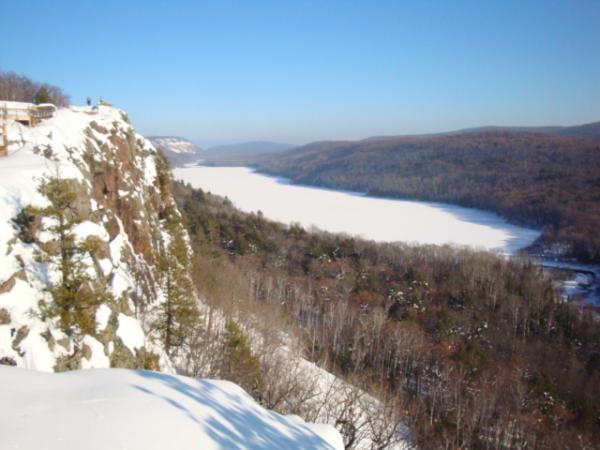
(305, 71)
(224, 142)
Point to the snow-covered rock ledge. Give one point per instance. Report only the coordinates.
(120, 202)
(119, 408)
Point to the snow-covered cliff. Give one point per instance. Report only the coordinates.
(121, 201)
(177, 149)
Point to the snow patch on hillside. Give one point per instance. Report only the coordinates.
(130, 332)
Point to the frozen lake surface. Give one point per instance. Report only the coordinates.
(382, 220)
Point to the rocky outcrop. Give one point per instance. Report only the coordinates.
(123, 191)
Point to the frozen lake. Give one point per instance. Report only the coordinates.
(382, 220)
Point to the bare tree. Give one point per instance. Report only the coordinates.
(19, 88)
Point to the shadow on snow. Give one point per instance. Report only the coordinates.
(252, 428)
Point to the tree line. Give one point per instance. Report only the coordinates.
(19, 88)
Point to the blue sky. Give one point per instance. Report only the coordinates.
(301, 71)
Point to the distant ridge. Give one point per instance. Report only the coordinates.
(584, 131)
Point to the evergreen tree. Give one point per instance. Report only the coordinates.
(178, 312)
(75, 295)
(239, 364)
(42, 96)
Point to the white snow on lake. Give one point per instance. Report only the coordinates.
(382, 220)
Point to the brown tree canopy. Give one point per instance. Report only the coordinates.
(19, 88)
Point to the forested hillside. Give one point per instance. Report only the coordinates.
(533, 179)
(469, 349)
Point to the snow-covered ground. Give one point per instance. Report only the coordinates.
(384, 220)
(127, 409)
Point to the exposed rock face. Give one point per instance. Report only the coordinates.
(122, 187)
(116, 175)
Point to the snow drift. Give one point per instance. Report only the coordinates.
(118, 408)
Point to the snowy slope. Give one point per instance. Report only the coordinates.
(320, 396)
(115, 173)
(126, 409)
(336, 401)
(295, 385)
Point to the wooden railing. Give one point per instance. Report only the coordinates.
(3, 135)
(31, 114)
(3, 140)
(21, 112)
(43, 111)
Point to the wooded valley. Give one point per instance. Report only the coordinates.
(469, 349)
